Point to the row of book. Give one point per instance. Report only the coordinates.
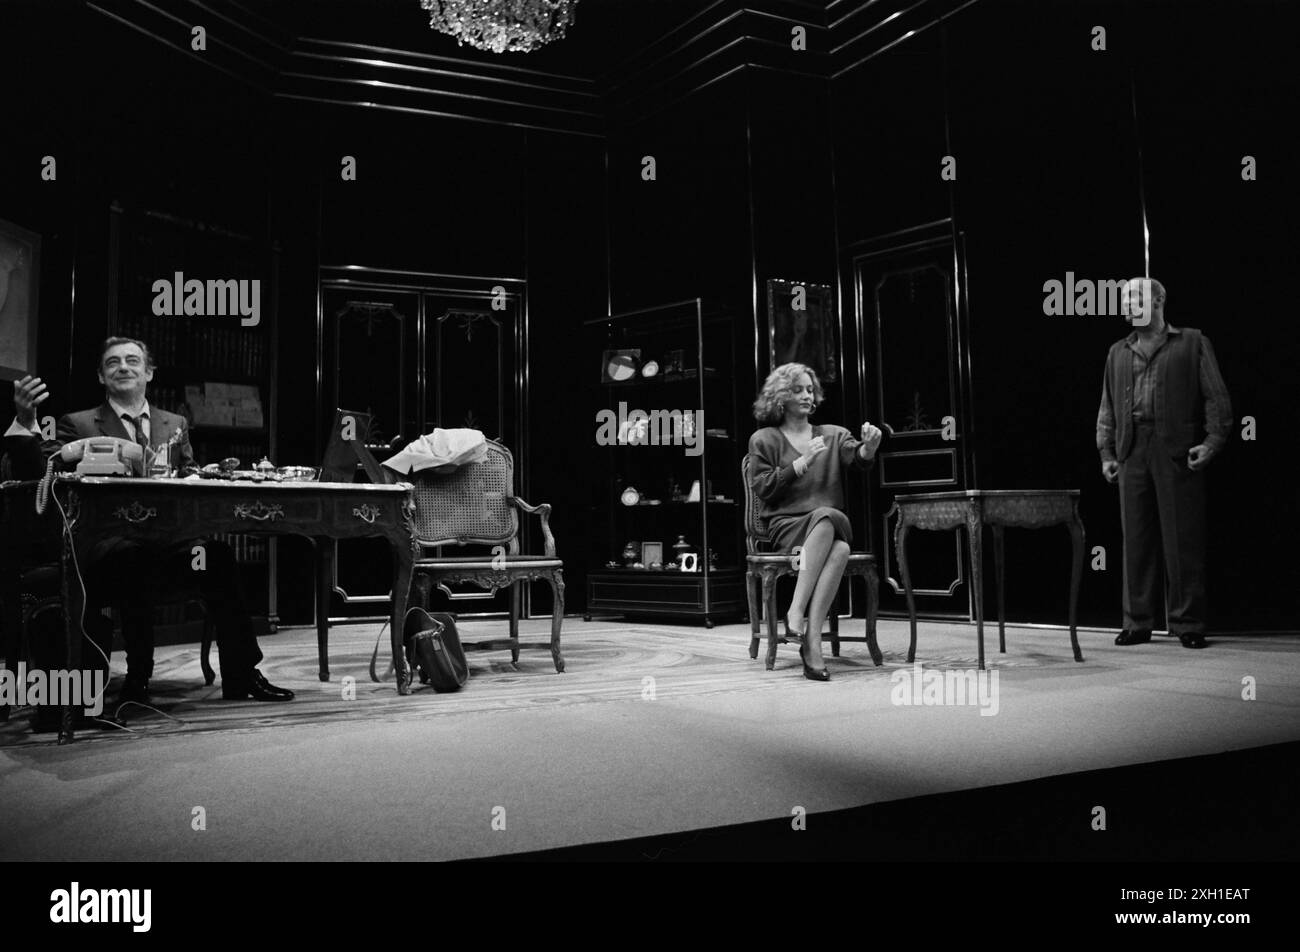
(186, 343)
(212, 404)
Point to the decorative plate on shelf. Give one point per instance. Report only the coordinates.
(630, 497)
(620, 365)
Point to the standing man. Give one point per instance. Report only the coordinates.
(1165, 413)
(124, 571)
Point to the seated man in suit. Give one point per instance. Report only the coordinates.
(125, 571)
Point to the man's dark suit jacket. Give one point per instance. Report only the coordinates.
(27, 455)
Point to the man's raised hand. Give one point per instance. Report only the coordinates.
(29, 393)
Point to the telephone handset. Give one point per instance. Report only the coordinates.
(106, 456)
(99, 456)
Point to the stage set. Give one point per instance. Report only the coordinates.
(646, 340)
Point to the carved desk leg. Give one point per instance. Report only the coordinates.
(403, 568)
(975, 526)
(324, 581)
(557, 619)
(1077, 537)
(900, 548)
(73, 609)
(999, 568)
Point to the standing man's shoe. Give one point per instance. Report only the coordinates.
(254, 686)
(1192, 639)
(1138, 637)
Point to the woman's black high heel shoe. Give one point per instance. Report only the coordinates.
(809, 673)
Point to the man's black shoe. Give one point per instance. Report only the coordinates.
(260, 680)
(254, 686)
(134, 689)
(1126, 637)
(1192, 640)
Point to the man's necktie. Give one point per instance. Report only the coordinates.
(140, 438)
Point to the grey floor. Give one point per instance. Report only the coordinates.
(653, 729)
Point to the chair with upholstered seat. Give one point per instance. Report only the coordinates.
(764, 565)
(476, 505)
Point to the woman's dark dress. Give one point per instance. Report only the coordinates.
(792, 505)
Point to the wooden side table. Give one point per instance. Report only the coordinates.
(996, 508)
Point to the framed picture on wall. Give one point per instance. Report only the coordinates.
(20, 274)
(801, 326)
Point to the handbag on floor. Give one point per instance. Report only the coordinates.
(433, 649)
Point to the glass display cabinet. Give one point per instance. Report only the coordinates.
(666, 523)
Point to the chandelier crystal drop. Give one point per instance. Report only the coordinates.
(515, 26)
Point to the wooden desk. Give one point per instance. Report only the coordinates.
(162, 511)
(997, 508)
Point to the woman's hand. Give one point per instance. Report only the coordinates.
(871, 437)
(818, 445)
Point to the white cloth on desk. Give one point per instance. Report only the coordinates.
(441, 450)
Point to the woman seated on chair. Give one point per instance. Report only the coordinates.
(797, 468)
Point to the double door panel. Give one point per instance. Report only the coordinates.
(416, 358)
(912, 375)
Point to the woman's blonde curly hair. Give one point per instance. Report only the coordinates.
(769, 408)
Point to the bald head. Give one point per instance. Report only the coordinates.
(1143, 301)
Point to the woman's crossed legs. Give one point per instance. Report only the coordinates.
(821, 567)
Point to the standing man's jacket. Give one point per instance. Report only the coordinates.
(1185, 414)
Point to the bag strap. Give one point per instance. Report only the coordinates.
(374, 657)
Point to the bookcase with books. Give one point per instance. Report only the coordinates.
(214, 365)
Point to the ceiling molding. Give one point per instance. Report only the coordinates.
(709, 45)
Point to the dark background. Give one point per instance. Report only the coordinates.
(770, 164)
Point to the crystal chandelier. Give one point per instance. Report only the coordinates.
(517, 26)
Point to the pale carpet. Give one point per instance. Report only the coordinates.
(653, 729)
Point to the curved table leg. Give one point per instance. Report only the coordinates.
(209, 635)
(557, 618)
(900, 549)
(1077, 537)
(324, 582)
(999, 569)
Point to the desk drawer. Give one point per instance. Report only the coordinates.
(367, 513)
(148, 511)
(256, 510)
